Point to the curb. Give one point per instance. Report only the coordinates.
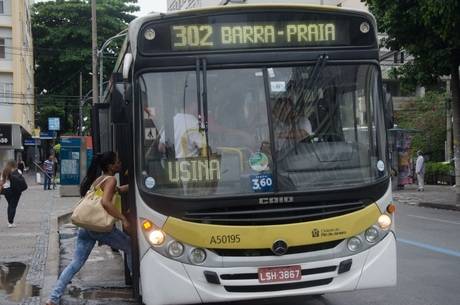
(441, 206)
(53, 257)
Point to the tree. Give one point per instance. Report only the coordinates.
(428, 118)
(428, 29)
(62, 47)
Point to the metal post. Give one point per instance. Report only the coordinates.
(101, 60)
(101, 67)
(94, 47)
(80, 107)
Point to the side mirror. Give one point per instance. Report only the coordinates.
(127, 61)
(119, 111)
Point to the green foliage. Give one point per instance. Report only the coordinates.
(439, 173)
(412, 74)
(428, 29)
(429, 119)
(62, 46)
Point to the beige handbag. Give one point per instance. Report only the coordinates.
(89, 212)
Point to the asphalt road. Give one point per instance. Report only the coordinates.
(428, 264)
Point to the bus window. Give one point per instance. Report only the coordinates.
(191, 160)
(321, 124)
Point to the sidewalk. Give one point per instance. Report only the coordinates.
(33, 254)
(24, 249)
(434, 196)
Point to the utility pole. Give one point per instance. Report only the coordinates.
(94, 47)
(80, 107)
(448, 122)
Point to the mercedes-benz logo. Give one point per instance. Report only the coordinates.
(279, 247)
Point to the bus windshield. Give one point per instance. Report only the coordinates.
(261, 130)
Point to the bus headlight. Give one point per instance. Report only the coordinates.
(153, 234)
(354, 244)
(175, 249)
(156, 237)
(384, 221)
(371, 234)
(197, 256)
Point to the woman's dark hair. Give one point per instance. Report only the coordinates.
(9, 168)
(101, 161)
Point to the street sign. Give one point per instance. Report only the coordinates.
(6, 138)
(31, 142)
(47, 135)
(54, 124)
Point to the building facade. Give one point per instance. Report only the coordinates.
(16, 78)
(174, 5)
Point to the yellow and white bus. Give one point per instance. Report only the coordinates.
(255, 138)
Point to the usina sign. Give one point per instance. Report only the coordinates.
(6, 138)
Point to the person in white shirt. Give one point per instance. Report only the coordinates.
(188, 139)
(420, 170)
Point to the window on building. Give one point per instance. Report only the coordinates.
(2, 47)
(2, 10)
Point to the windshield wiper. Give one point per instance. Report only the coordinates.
(198, 91)
(202, 99)
(306, 93)
(205, 104)
(301, 103)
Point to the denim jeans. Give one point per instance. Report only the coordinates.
(47, 182)
(13, 199)
(85, 243)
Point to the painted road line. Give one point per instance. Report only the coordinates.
(435, 219)
(429, 247)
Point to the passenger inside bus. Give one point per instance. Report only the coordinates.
(289, 125)
(188, 139)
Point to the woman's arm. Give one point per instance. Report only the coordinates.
(109, 191)
(123, 188)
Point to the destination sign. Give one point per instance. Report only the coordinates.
(196, 170)
(256, 30)
(192, 37)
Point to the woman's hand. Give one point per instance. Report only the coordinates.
(126, 224)
(123, 188)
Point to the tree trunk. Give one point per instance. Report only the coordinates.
(455, 87)
(448, 129)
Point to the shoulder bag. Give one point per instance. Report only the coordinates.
(18, 183)
(90, 213)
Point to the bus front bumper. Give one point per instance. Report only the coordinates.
(164, 281)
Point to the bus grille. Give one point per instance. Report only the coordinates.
(267, 216)
(269, 252)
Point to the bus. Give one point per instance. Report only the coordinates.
(254, 138)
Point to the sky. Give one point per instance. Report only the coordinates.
(146, 6)
(151, 5)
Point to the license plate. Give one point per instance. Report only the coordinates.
(280, 274)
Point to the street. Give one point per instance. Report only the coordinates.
(428, 262)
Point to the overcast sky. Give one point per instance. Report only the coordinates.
(146, 6)
(151, 5)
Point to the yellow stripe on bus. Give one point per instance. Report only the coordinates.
(260, 237)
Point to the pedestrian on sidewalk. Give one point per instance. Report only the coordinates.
(12, 184)
(48, 169)
(109, 163)
(420, 170)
